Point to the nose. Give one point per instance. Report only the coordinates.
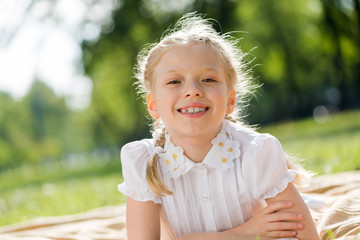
(193, 89)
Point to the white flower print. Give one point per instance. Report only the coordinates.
(226, 150)
(222, 154)
(220, 140)
(231, 149)
(173, 161)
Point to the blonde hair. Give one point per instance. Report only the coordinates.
(192, 28)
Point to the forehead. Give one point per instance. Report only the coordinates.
(189, 57)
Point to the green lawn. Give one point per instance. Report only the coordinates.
(329, 147)
(56, 188)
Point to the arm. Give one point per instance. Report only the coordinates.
(143, 223)
(274, 221)
(291, 194)
(142, 220)
(220, 236)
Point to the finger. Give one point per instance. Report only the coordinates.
(282, 234)
(284, 216)
(280, 226)
(276, 206)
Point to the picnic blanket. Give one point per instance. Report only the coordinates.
(339, 219)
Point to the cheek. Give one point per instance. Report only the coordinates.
(165, 102)
(221, 95)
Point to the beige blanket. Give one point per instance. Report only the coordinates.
(340, 219)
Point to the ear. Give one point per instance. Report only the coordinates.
(231, 102)
(151, 106)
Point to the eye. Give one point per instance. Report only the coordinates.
(209, 80)
(172, 82)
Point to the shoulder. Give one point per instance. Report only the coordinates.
(144, 146)
(250, 138)
(134, 159)
(137, 151)
(263, 162)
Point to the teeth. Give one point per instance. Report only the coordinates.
(193, 110)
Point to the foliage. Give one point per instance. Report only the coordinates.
(303, 53)
(31, 128)
(297, 56)
(40, 127)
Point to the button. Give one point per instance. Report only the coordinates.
(205, 196)
(212, 227)
(201, 166)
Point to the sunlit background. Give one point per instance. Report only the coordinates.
(68, 104)
(42, 40)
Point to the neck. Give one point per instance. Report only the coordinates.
(196, 150)
(195, 147)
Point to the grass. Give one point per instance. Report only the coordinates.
(56, 189)
(329, 147)
(67, 187)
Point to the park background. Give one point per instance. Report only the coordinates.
(61, 156)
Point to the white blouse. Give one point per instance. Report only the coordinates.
(240, 171)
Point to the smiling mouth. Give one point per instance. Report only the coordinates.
(193, 110)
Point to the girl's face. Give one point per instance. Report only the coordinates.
(190, 93)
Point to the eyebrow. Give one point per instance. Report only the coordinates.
(212, 69)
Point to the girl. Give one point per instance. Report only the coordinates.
(202, 176)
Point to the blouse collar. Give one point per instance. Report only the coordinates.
(225, 149)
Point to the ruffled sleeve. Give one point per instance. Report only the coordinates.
(134, 159)
(264, 167)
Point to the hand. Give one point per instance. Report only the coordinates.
(267, 223)
(271, 223)
(219, 236)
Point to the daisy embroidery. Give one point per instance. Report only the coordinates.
(220, 140)
(173, 161)
(226, 150)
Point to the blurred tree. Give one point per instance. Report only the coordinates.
(341, 27)
(109, 66)
(48, 119)
(293, 57)
(296, 53)
(34, 128)
(6, 104)
(15, 132)
(118, 111)
(285, 35)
